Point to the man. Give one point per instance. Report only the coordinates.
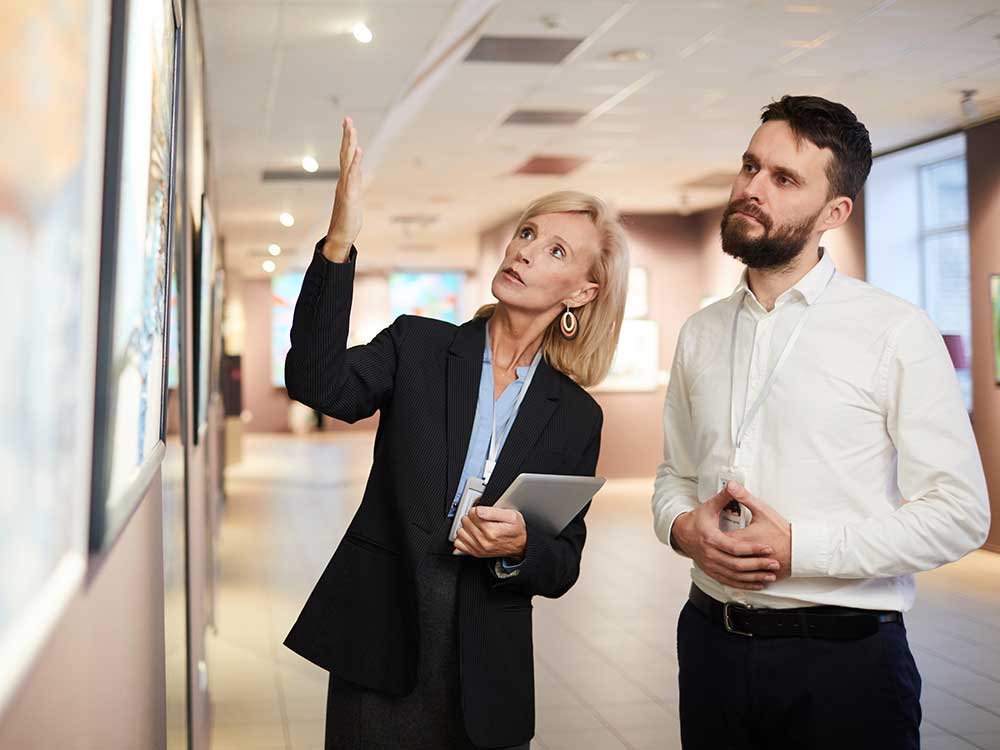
(823, 415)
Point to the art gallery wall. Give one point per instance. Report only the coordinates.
(100, 680)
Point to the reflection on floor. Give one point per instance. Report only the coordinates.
(605, 653)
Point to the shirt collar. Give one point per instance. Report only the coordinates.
(809, 287)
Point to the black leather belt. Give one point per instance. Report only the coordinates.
(831, 623)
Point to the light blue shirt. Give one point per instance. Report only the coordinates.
(482, 426)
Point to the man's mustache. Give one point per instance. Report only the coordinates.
(748, 208)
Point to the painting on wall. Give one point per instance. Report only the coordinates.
(637, 301)
(636, 363)
(139, 180)
(995, 306)
(53, 85)
(284, 291)
(204, 280)
(430, 294)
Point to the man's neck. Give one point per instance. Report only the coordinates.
(768, 285)
(514, 337)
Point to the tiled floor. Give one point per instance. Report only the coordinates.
(605, 653)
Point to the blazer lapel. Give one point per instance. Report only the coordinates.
(465, 367)
(540, 402)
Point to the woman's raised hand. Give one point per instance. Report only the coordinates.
(345, 223)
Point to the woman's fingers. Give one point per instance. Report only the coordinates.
(345, 144)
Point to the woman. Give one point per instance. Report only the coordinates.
(428, 643)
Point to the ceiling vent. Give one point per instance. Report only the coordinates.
(550, 165)
(525, 50)
(544, 117)
(299, 175)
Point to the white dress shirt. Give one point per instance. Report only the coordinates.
(865, 411)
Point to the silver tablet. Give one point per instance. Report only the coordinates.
(550, 501)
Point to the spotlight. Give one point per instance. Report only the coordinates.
(275, 250)
(286, 219)
(268, 265)
(310, 164)
(362, 33)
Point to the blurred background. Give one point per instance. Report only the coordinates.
(169, 165)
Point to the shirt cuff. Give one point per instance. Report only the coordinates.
(811, 546)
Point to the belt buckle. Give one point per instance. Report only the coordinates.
(727, 622)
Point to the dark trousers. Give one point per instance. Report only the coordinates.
(740, 693)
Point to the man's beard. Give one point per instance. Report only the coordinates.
(772, 249)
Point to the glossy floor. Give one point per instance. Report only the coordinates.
(605, 653)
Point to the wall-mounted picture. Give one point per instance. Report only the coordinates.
(53, 86)
(204, 279)
(430, 294)
(139, 169)
(995, 305)
(637, 302)
(284, 291)
(636, 366)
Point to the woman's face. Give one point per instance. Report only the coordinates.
(547, 264)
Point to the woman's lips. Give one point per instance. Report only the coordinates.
(513, 276)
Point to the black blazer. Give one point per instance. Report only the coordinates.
(360, 622)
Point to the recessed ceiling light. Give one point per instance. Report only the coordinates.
(286, 219)
(275, 250)
(310, 164)
(629, 55)
(362, 33)
(268, 265)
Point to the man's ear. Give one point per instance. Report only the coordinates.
(837, 212)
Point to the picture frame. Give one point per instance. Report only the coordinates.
(204, 278)
(136, 238)
(50, 231)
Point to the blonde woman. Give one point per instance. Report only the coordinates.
(428, 648)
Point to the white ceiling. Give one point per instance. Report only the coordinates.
(282, 74)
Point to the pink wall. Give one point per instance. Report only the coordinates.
(983, 157)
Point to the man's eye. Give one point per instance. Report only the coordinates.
(748, 167)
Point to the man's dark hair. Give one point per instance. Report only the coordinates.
(829, 125)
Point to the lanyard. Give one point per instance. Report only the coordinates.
(739, 432)
(491, 460)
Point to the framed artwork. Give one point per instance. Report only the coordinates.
(52, 125)
(204, 279)
(130, 413)
(636, 366)
(995, 306)
(284, 291)
(637, 302)
(430, 294)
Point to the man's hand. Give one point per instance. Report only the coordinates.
(767, 528)
(492, 532)
(741, 563)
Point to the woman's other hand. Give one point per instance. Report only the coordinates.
(493, 532)
(345, 223)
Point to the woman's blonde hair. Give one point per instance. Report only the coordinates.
(587, 358)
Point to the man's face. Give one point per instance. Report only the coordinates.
(777, 198)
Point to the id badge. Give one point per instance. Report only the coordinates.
(734, 515)
(473, 492)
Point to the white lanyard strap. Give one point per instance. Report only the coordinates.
(739, 432)
(491, 460)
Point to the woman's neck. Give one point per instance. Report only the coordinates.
(514, 337)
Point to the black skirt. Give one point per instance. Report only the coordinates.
(430, 717)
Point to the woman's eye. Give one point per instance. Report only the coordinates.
(527, 234)
(558, 252)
